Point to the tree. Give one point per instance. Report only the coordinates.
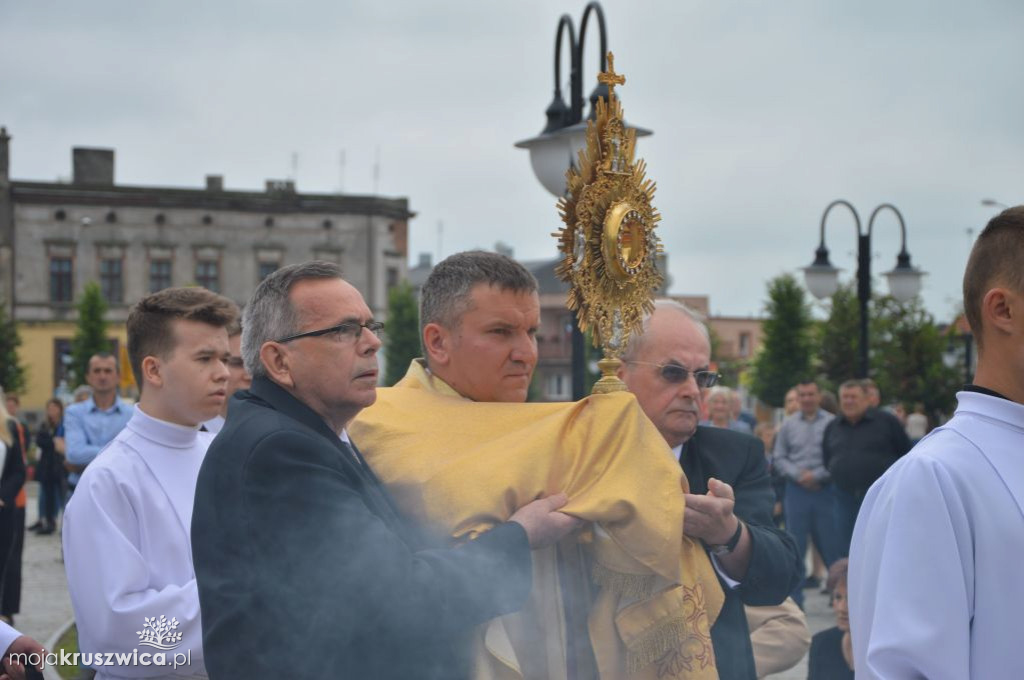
(12, 373)
(838, 340)
(785, 353)
(403, 332)
(907, 357)
(91, 333)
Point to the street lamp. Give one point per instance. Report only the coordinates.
(823, 279)
(556, 148)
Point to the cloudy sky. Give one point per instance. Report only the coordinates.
(763, 113)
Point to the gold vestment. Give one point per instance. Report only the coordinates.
(460, 467)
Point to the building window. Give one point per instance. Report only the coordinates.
(558, 386)
(60, 279)
(159, 275)
(266, 269)
(392, 278)
(744, 344)
(111, 281)
(208, 275)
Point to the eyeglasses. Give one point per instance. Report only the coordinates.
(350, 330)
(676, 374)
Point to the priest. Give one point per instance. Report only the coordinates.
(127, 552)
(640, 600)
(934, 589)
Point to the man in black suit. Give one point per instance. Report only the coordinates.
(304, 567)
(729, 504)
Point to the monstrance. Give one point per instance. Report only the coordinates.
(608, 241)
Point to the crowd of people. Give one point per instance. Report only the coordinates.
(266, 508)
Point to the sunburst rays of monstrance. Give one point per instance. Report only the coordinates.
(609, 242)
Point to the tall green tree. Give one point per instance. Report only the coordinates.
(785, 352)
(907, 357)
(91, 332)
(12, 373)
(837, 340)
(403, 332)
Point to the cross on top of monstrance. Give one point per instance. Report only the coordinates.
(610, 77)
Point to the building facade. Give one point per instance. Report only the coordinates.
(57, 237)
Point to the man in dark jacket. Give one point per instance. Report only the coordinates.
(859, 445)
(729, 505)
(303, 565)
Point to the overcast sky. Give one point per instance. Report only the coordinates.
(763, 113)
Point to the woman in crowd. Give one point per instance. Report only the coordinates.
(831, 656)
(12, 478)
(50, 469)
(720, 411)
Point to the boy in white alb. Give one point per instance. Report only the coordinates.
(934, 585)
(127, 552)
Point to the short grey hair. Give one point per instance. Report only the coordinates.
(720, 390)
(445, 294)
(270, 314)
(636, 340)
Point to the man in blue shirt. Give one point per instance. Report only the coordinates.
(89, 425)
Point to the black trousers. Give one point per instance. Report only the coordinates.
(10, 597)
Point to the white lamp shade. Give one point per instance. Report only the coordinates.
(822, 281)
(553, 153)
(904, 283)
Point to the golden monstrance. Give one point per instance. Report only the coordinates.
(608, 241)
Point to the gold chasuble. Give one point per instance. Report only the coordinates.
(460, 467)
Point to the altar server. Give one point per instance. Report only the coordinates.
(934, 585)
(127, 551)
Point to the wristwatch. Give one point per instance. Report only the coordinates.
(730, 545)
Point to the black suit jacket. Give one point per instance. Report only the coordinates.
(305, 569)
(738, 460)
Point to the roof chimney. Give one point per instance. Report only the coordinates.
(5, 154)
(93, 166)
(215, 182)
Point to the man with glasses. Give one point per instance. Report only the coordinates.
(304, 566)
(238, 377)
(729, 503)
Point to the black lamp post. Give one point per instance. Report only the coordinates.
(823, 279)
(556, 148)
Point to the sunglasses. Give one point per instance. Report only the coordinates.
(348, 331)
(676, 374)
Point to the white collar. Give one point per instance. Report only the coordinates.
(677, 451)
(162, 432)
(991, 408)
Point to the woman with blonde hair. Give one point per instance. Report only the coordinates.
(12, 478)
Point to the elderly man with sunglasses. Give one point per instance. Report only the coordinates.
(729, 504)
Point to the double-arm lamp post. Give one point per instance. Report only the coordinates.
(823, 279)
(556, 148)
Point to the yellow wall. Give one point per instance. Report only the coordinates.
(37, 356)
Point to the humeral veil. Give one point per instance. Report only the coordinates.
(460, 467)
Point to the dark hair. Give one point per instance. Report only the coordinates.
(850, 384)
(445, 294)
(997, 258)
(149, 322)
(270, 315)
(102, 355)
(807, 381)
(60, 405)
